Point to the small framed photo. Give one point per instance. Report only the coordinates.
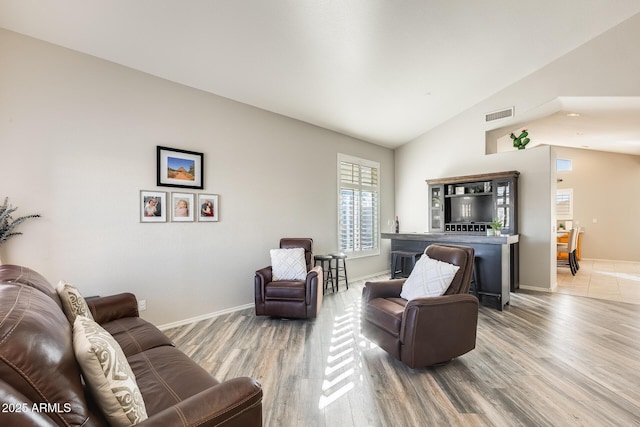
(209, 210)
(153, 206)
(182, 205)
(179, 168)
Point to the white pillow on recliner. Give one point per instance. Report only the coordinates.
(429, 278)
(288, 264)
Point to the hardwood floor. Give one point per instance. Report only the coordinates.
(547, 360)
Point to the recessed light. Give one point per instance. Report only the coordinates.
(573, 115)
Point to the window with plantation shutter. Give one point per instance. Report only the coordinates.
(358, 195)
(564, 203)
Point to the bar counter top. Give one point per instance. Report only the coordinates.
(496, 265)
(454, 238)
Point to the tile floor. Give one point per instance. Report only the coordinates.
(611, 280)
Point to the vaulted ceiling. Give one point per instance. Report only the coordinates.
(380, 70)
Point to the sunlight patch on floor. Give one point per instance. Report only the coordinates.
(343, 368)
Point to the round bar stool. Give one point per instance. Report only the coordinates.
(400, 259)
(326, 271)
(340, 256)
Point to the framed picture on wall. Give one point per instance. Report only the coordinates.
(209, 209)
(182, 207)
(179, 168)
(153, 206)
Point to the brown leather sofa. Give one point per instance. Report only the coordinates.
(424, 331)
(290, 298)
(40, 379)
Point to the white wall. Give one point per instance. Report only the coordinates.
(605, 188)
(78, 139)
(415, 163)
(607, 66)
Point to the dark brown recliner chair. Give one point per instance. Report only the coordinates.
(424, 331)
(290, 298)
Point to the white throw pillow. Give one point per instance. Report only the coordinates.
(429, 278)
(107, 373)
(73, 303)
(288, 264)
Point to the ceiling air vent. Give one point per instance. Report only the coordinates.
(502, 114)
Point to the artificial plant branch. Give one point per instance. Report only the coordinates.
(8, 224)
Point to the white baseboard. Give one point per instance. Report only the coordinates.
(204, 317)
(621, 261)
(243, 307)
(535, 288)
(371, 276)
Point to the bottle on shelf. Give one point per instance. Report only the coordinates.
(397, 225)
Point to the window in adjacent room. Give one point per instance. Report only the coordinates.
(563, 165)
(358, 205)
(564, 203)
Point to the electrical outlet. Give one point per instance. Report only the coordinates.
(142, 305)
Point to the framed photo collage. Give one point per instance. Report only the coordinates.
(180, 169)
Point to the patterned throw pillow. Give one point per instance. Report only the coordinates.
(288, 264)
(73, 303)
(107, 373)
(429, 278)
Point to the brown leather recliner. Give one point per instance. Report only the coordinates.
(290, 298)
(424, 331)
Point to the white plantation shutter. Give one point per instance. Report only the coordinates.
(564, 203)
(358, 189)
